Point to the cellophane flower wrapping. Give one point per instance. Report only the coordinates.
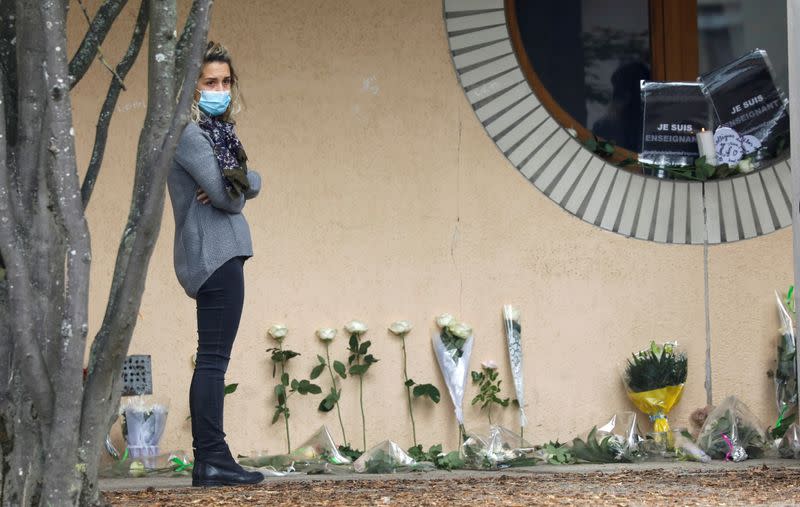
(174, 464)
(143, 425)
(789, 444)
(618, 440)
(785, 373)
(654, 379)
(511, 318)
(454, 364)
(317, 453)
(388, 458)
(733, 433)
(495, 447)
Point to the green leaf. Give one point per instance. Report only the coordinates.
(231, 388)
(295, 384)
(449, 461)
(370, 359)
(477, 376)
(359, 369)
(364, 347)
(339, 368)
(327, 404)
(428, 390)
(321, 360)
(276, 415)
(409, 383)
(353, 344)
(306, 387)
(317, 371)
(285, 379)
(280, 394)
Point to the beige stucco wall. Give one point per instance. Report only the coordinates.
(384, 199)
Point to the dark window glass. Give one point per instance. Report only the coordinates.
(590, 55)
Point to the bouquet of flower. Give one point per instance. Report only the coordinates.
(496, 447)
(785, 371)
(142, 426)
(789, 444)
(616, 441)
(732, 432)
(511, 318)
(654, 380)
(388, 458)
(453, 346)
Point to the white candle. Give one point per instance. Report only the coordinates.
(705, 144)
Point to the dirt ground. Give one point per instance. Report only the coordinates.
(736, 484)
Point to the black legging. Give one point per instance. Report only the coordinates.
(219, 309)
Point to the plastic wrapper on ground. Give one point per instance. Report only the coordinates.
(318, 454)
(143, 425)
(618, 440)
(789, 444)
(174, 464)
(733, 433)
(388, 458)
(496, 447)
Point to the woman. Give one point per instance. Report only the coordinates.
(208, 185)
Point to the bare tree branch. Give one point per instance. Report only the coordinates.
(100, 55)
(101, 132)
(99, 28)
(184, 42)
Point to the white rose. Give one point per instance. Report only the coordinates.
(745, 165)
(278, 332)
(489, 364)
(326, 334)
(444, 320)
(400, 328)
(511, 312)
(356, 327)
(460, 329)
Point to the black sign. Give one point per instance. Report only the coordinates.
(673, 114)
(745, 98)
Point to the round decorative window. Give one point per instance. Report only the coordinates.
(543, 133)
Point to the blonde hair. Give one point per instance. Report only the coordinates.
(216, 52)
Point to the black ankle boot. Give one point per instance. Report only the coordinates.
(220, 469)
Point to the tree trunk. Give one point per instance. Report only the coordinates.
(52, 424)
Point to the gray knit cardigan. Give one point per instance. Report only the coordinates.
(206, 235)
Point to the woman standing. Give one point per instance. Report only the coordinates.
(208, 185)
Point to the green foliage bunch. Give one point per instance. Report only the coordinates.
(655, 368)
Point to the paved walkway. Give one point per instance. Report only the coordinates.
(126, 484)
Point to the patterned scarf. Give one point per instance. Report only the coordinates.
(231, 158)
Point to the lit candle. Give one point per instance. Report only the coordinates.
(705, 144)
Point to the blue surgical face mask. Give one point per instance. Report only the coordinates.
(214, 103)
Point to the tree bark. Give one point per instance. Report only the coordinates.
(52, 425)
(163, 125)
